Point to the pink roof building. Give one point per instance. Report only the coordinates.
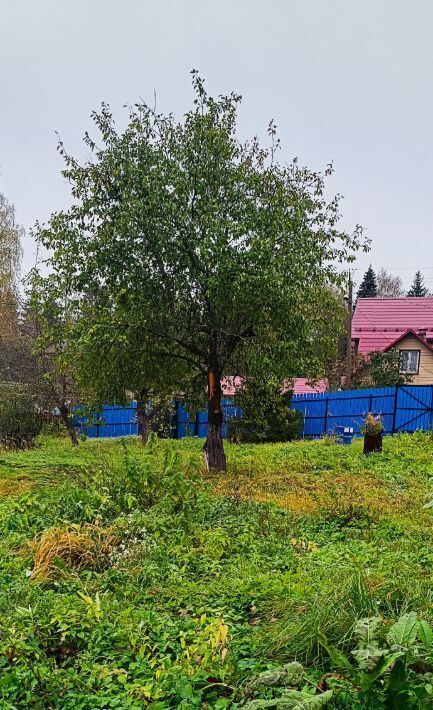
(379, 322)
(300, 385)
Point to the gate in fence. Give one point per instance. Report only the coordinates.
(403, 408)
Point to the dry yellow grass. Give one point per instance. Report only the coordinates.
(15, 486)
(336, 493)
(77, 547)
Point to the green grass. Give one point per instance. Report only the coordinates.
(296, 540)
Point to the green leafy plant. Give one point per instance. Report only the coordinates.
(392, 663)
(372, 424)
(383, 369)
(289, 681)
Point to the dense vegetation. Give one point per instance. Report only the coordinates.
(189, 255)
(128, 580)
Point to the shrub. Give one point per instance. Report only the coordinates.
(20, 420)
(385, 369)
(266, 416)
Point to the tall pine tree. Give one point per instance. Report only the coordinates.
(418, 288)
(368, 287)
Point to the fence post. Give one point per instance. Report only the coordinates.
(395, 409)
(430, 408)
(325, 423)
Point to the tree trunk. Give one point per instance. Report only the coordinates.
(66, 418)
(213, 449)
(372, 443)
(143, 422)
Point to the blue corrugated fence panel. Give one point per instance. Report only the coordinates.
(406, 408)
(202, 424)
(313, 411)
(325, 412)
(414, 408)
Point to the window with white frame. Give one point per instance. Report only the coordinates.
(409, 361)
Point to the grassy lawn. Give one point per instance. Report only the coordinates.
(129, 578)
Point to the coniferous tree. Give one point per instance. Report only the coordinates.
(368, 287)
(418, 288)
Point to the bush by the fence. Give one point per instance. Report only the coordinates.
(20, 420)
(266, 417)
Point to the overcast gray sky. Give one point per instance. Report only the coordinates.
(345, 80)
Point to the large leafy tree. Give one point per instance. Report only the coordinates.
(368, 287)
(198, 249)
(418, 288)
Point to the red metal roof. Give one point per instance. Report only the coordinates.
(300, 385)
(378, 322)
(230, 385)
(413, 334)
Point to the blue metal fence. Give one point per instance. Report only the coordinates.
(403, 408)
(114, 420)
(187, 424)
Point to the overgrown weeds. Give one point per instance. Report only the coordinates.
(126, 581)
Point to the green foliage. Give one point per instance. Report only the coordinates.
(368, 287)
(418, 288)
(292, 699)
(20, 420)
(132, 483)
(293, 675)
(266, 414)
(384, 369)
(288, 680)
(393, 663)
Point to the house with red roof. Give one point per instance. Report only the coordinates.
(299, 385)
(404, 324)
